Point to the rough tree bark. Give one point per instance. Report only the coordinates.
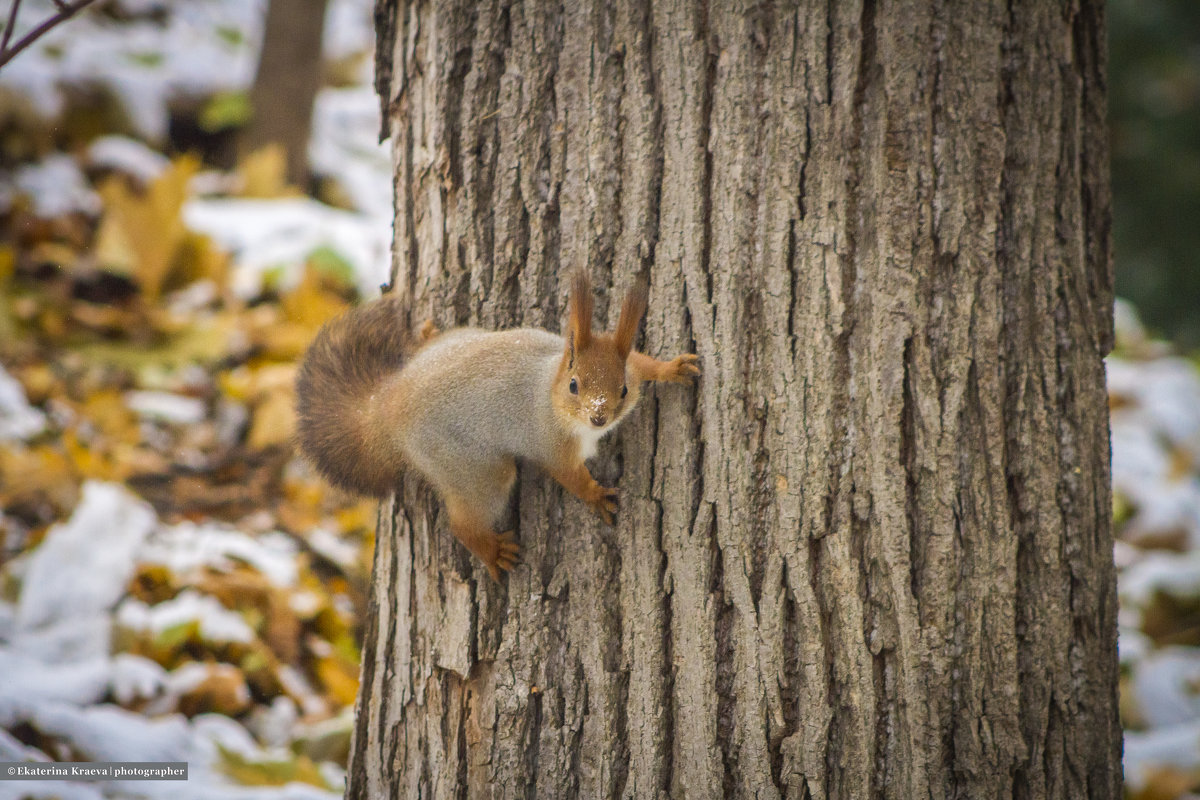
(870, 554)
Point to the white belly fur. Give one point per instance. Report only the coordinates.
(589, 437)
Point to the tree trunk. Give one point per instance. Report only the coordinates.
(285, 87)
(870, 554)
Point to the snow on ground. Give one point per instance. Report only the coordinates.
(267, 236)
(18, 419)
(197, 49)
(1155, 401)
(122, 154)
(56, 639)
(56, 186)
(66, 674)
(61, 676)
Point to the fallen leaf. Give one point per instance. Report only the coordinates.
(264, 173)
(339, 677)
(140, 234)
(276, 772)
(222, 691)
(1166, 783)
(274, 421)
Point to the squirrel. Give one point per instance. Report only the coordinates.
(459, 406)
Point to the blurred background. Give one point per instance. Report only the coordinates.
(1154, 113)
(186, 194)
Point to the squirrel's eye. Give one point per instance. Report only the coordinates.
(573, 386)
(624, 391)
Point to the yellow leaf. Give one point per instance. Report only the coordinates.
(274, 421)
(339, 677)
(312, 303)
(39, 381)
(1166, 783)
(141, 234)
(209, 339)
(106, 410)
(8, 262)
(250, 772)
(31, 475)
(200, 259)
(264, 173)
(114, 251)
(285, 341)
(55, 253)
(360, 516)
(237, 383)
(89, 461)
(252, 383)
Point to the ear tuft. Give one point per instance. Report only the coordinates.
(579, 314)
(632, 311)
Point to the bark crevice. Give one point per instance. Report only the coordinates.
(869, 554)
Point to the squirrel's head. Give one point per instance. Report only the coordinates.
(593, 388)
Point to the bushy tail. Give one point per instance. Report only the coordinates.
(346, 363)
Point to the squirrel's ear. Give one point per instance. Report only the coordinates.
(632, 311)
(579, 315)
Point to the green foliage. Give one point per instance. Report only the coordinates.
(225, 110)
(230, 35)
(1154, 111)
(146, 59)
(332, 264)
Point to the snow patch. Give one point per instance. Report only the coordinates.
(175, 409)
(123, 154)
(56, 186)
(189, 546)
(19, 421)
(82, 568)
(216, 623)
(265, 235)
(1176, 746)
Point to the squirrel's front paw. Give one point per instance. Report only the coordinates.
(681, 369)
(503, 554)
(603, 501)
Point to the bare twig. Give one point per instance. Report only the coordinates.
(12, 24)
(67, 10)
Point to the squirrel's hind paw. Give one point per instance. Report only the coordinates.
(604, 502)
(505, 555)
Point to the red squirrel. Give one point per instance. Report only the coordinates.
(460, 406)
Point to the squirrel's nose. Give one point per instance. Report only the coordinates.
(599, 419)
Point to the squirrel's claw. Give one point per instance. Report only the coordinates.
(604, 502)
(682, 369)
(507, 554)
(428, 331)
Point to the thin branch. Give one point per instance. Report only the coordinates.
(11, 26)
(68, 10)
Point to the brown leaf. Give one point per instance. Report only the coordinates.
(1166, 783)
(238, 483)
(223, 691)
(247, 589)
(1168, 619)
(37, 483)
